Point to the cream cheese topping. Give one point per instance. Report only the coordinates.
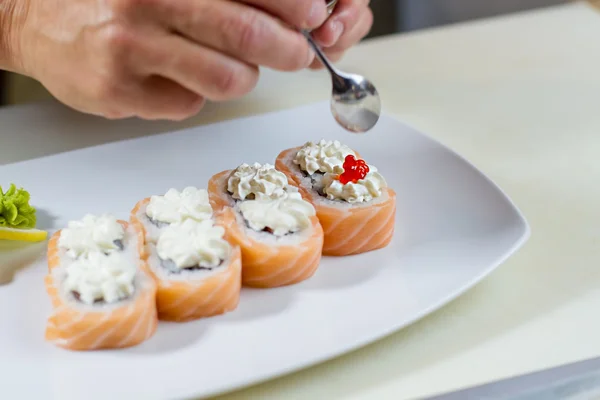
(192, 244)
(174, 206)
(91, 234)
(101, 277)
(282, 215)
(261, 181)
(367, 189)
(324, 156)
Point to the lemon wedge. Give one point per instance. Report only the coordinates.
(23, 235)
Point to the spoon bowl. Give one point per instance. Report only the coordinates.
(355, 102)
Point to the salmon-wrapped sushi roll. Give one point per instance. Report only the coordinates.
(91, 234)
(100, 301)
(278, 231)
(354, 205)
(197, 271)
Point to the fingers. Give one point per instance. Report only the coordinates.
(214, 75)
(162, 75)
(358, 31)
(303, 14)
(115, 78)
(241, 32)
(355, 34)
(351, 18)
(161, 98)
(153, 98)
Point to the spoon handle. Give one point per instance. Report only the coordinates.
(319, 53)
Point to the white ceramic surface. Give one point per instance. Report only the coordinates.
(454, 227)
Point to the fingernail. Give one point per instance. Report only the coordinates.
(318, 14)
(338, 28)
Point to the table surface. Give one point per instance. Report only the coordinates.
(519, 97)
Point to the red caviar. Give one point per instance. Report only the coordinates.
(354, 170)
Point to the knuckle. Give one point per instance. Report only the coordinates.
(116, 49)
(235, 82)
(250, 31)
(226, 82)
(117, 39)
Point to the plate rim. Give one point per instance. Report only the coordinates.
(260, 378)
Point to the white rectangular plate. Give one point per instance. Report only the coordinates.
(453, 227)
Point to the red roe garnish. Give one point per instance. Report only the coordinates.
(354, 170)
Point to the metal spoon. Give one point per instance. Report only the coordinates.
(355, 103)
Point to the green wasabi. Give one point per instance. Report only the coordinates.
(15, 210)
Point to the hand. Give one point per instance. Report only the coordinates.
(349, 23)
(159, 59)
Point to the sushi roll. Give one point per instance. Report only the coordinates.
(91, 234)
(100, 300)
(197, 271)
(354, 204)
(278, 232)
(152, 214)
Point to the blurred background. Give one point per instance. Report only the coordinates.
(391, 16)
